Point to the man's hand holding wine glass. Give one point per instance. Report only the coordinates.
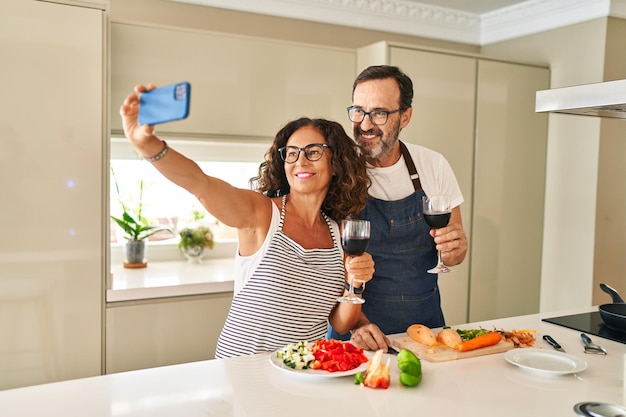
(447, 231)
(451, 240)
(437, 213)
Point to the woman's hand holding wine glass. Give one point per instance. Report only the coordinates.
(355, 236)
(437, 213)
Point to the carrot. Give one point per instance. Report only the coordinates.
(487, 339)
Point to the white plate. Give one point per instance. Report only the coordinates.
(314, 373)
(545, 362)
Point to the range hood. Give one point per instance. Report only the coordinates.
(607, 99)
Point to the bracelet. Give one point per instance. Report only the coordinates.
(160, 154)
(355, 289)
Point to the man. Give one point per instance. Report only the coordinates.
(402, 292)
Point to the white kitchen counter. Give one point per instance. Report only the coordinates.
(170, 279)
(250, 386)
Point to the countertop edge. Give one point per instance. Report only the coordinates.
(134, 294)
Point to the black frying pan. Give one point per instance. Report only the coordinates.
(613, 315)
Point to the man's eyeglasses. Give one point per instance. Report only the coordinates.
(312, 152)
(377, 117)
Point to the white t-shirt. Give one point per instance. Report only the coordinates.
(436, 176)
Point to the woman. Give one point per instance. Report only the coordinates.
(291, 267)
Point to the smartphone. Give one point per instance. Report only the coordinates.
(164, 104)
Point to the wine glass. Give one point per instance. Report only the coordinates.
(355, 236)
(437, 215)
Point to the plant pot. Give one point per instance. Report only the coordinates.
(135, 254)
(194, 254)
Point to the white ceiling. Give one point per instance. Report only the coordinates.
(476, 22)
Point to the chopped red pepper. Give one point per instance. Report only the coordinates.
(337, 356)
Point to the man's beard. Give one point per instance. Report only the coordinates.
(383, 146)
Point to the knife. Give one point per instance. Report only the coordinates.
(553, 342)
(392, 350)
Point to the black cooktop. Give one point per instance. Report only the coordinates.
(591, 323)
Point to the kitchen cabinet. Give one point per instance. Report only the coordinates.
(52, 161)
(164, 331)
(240, 86)
(509, 191)
(479, 113)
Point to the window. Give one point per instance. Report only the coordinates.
(166, 203)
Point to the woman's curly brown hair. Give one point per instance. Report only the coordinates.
(347, 192)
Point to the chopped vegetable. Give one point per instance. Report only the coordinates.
(484, 340)
(408, 362)
(411, 368)
(409, 380)
(297, 356)
(377, 373)
(328, 355)
(334, 355)
(358, 378)
(472, 333)
(422, 334)
(519, 338)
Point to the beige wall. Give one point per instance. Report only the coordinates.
(610, 250)
(585, 159)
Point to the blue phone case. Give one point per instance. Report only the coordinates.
(165, 104)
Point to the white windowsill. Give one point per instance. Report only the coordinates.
(171, 275)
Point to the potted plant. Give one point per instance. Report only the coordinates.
(136, 228)
(195, 238)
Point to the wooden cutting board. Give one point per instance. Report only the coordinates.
(442, 353)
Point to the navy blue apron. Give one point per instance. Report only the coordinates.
(402, 292)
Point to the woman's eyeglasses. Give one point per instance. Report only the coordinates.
(312, 152)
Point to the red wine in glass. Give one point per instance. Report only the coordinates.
(355, 236)
(437, 220)
(354, 246)
(437, 213)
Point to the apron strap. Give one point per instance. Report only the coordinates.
(417, 184)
